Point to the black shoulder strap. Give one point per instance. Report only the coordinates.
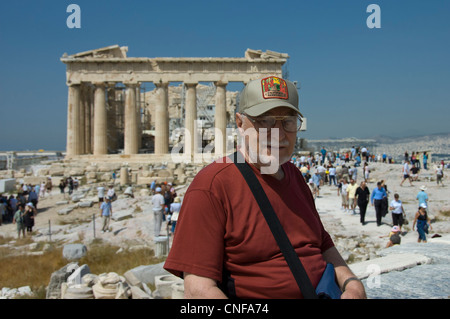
(292, 259)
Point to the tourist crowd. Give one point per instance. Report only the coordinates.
(340, 169)
(21, 209)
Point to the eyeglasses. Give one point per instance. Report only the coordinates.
(291, 123)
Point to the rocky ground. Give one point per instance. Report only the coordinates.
(357, 243)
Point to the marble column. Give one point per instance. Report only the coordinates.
(221, 119)
(112, 112)
(82, 118)
(138, 114)
(162, 118)
(131, 145)
(73, 123)
(87, 119)
(100, 120)
(190, 140)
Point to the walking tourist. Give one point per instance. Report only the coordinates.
(62, 186)
(423, 223)
(425, 160)
(351, 195)
(385, 200)
(439, 174)
(48, 186)
(42, 190)
(363, 196)
(37, 190)
(29, 216)
(342, 189)
(175, 211)
(316, 179)
(153, 187)
(323, 151)
(422, 196)
(18, 220)
(106, 213)
(111, 193)
(376, 199)
(158, 210)
(332, 174)
(397, 211)
(405, 172)
(101, 194)
(33, 198)
(69, 182)
(12, 207)
(366, 172)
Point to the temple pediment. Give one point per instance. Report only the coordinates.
(113, 51)
(259, 54)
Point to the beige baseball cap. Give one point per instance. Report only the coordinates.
(262, 95)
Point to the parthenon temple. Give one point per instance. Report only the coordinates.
(109, 116)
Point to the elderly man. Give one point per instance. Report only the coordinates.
(223, 247)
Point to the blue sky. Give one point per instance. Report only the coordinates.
(355, 81)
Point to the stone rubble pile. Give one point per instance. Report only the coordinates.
(77, 282)
(136, 173)
(12, 293)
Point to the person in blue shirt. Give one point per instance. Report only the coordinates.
(358, 160)
(105, 213)
(425, 160)
(422, 197)
(316, 180)
(376, 199)
(153, 187)
(323, 151)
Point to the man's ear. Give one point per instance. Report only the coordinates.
(239, 123)
(238, 120)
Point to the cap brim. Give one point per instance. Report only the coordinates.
(261, 108)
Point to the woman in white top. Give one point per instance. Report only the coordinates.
(439, 174)
(366, 172)
(397, 211)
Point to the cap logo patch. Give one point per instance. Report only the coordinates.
(274, 88)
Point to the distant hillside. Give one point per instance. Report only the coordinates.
(384, 139)
(436, 144)
(433, 143)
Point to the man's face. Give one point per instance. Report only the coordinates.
(272, 145)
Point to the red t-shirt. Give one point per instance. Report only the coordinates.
(220, 225)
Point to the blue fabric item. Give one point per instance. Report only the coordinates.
(327, 288)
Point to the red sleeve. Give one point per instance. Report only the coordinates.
(327, 242)
(198, 245)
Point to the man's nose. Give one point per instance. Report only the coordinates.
(281, 131)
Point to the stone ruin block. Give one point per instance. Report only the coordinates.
(164, 285)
